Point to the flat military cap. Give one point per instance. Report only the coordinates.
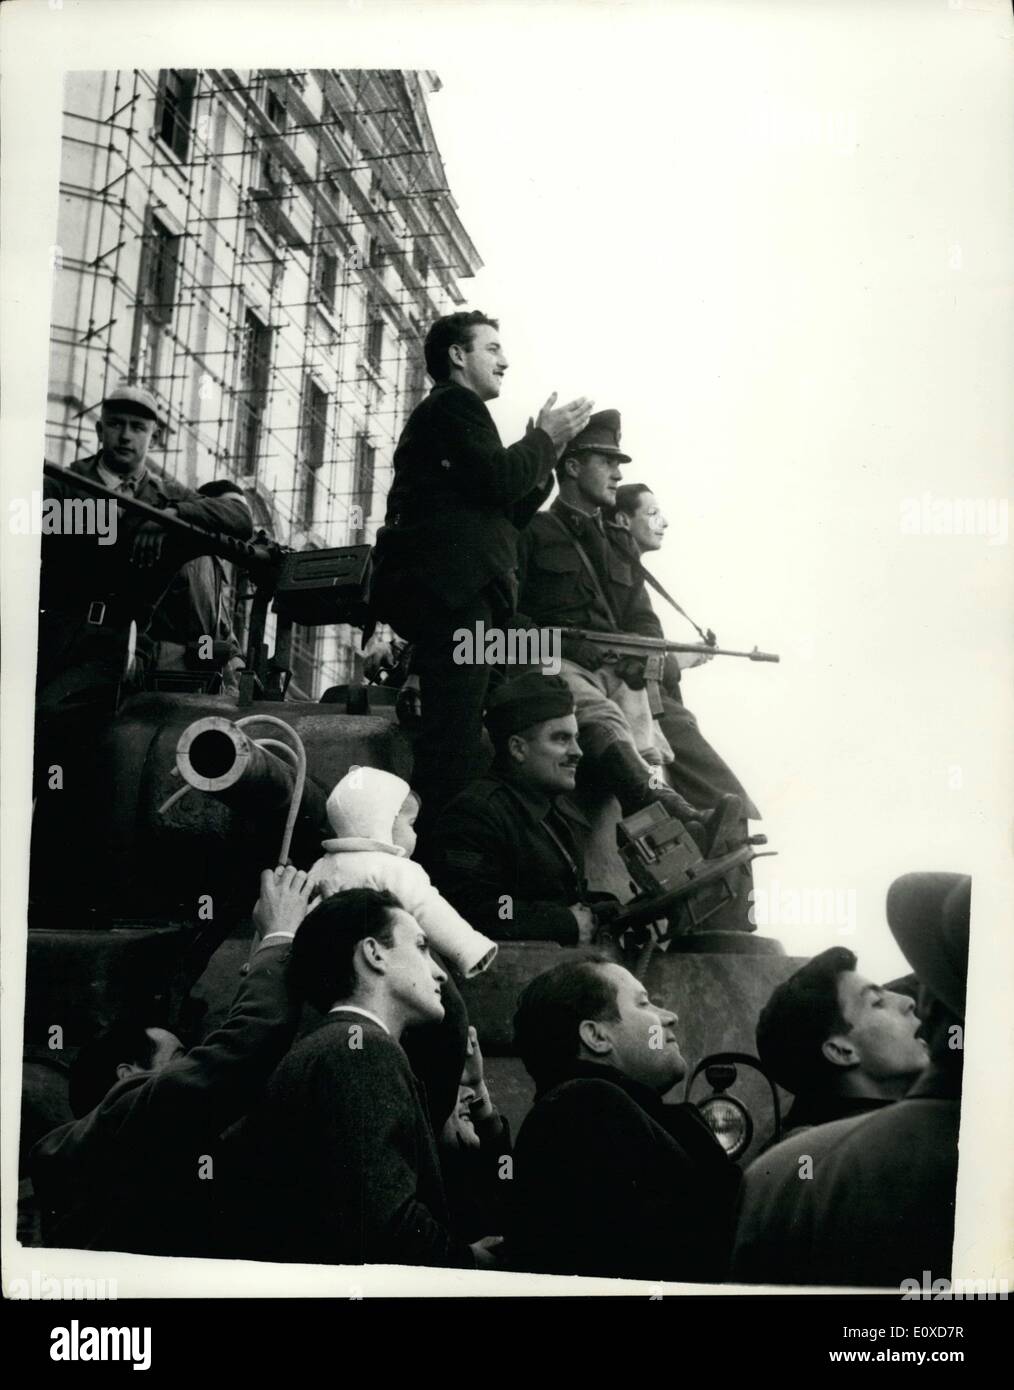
(601, 435)
(928, 915)
(133, 400)
(524, 701)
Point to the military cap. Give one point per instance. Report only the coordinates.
(928, 915)
(524, 701)
(601, 435)
(133, 400)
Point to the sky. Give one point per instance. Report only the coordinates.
(780, 246)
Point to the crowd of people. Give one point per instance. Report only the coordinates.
(341, 1113)
(368, 1134)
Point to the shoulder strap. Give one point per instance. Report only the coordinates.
(600, 593)
(649, 578)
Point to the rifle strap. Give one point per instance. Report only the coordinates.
(649, 578)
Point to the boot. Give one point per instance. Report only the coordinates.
(624, 773)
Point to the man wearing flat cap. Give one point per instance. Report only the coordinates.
(577, 571)
(93, 596)
(508, 850)
(90, 594)
(878, 1208)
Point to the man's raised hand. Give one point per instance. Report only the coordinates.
(561, 423)
(284, 899)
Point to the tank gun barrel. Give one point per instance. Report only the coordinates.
(264, 775)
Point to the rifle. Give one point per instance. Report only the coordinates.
(654, 650)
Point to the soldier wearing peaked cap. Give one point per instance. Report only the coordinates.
(578, 571)
(446, 556)
(509, 849)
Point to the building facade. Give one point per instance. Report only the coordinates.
(264, 250)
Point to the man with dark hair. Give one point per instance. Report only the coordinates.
(345, 1157)
(607, 1179)
(133, 1171)
(445, 558)
(841, 1044)
(577, 571)
(509, 849)
(191, 629)
(869, 1200)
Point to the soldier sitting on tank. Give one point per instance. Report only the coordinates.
(126, 1174)
(193, 614)
(607, 1179)
(841, 1044)
(577, 571)
(509, 850)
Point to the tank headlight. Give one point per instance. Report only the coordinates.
(729, 1121)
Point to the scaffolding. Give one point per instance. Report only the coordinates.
(264, 251)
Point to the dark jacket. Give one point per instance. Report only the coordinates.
(127, 1175)
(878, 1209)
(89, 593)
(345, 1156)
(809, 1110)
(555, 589)
(455, 505)
(492, 843)
(477, 1179)
(609, 1181)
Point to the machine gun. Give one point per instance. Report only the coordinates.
(614, 646)
(310, 587)
(669, 869)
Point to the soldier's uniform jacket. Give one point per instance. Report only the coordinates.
(556, 589)
(92, 591)
(456, 504)
(497, 841)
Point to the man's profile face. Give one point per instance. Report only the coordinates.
(597, 477)
(482, 364)
(882, 1034)
(413, 976)
(644, 1044)
(125, 438)
(548, 754)
(647, 525)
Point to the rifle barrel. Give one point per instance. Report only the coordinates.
(635, 644)
(259, 558)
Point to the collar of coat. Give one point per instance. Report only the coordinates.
(575, 519)
(148, 480)
(535, 803)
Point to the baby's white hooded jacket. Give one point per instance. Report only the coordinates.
(362, 810)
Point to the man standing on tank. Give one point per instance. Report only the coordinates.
(446, 556)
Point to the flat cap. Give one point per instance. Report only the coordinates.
(601, 435)
(524, 701)
(133, 400)
(928, 914)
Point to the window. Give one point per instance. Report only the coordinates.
(312, 439)
(251, 405)
(174, 104)
(374, 336)
(274, 109)
(304, 659)
(272, 174)
(160, 256)
(325, 277)
(362, 488)
(420, 261)
(377, 253)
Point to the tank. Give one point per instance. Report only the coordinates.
(145, 865)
